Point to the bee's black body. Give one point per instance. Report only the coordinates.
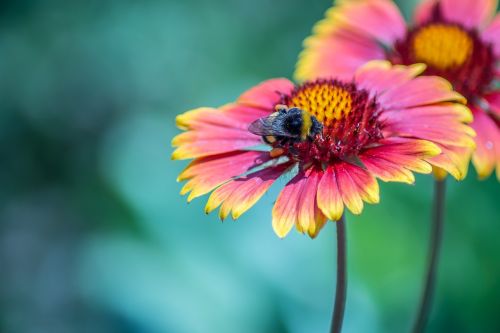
(286, 125)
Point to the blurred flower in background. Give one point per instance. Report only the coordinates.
(458, 40)
(93, 234)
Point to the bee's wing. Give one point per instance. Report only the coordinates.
(262, 126)
(267, 126)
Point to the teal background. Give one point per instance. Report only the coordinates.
(94, 236)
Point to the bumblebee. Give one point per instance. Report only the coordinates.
(286, 125)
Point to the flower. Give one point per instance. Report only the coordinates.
(376, 125)
(458, 40)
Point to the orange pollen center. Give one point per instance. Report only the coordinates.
(326, 101)
(443, 46)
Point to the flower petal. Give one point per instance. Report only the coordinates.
(453, 159)
(207, 173)
(296, 204)
(380, 19)
(310, 218)
(492, 34)
(367, 184)
(215, 131)
(329, 197)
(231, 115)
(319, 222)
(440, 113)
(452, 133)
(202, 148)
(423, 11)
(493, 100)
(267, 94)
(356, 184)
(422, 90)
(337, 54)
(470, 13)
(243, 114)
(378, 76)
(395, 157)
(410, 162)
(440, 123)
(487, 154)
(286, 208)
(240, 194)
(387, 171)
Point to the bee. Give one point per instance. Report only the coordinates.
(286, 125)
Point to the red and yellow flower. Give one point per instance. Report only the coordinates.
(385, 122)
(458, 40)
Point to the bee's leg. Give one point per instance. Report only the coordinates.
(293, 150)
(281, 108)
(282, 140)
(269, 139)
(276, 152)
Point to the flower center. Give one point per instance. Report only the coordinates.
(442, 46)
(328, 101)
(451, 51)
(349, 117)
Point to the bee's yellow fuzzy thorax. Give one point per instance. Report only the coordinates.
(306, 125)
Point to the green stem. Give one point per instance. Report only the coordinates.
(434, 247)
(341, 288)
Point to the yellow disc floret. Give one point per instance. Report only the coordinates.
(325, 100)
(442, 46)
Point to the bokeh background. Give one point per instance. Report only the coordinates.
(94, 236)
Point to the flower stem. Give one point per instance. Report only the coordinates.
(341, 288)
(434, 247)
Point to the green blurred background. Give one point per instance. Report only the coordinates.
(94, 236)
